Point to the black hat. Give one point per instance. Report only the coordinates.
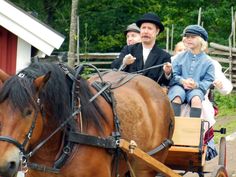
(132, 27)
(197, 30)
(151, 18)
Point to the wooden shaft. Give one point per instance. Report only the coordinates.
(150, 161)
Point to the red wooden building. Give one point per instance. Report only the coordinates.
(19, 33)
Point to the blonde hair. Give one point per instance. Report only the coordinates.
(179, 47)
(204, 44)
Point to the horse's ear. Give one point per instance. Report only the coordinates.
(4, 76)
(40, 81)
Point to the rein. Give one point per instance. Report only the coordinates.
(66, 122)
(111, 142)
(147, 69)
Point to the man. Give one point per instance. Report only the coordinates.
(132, 34)
(146, 54)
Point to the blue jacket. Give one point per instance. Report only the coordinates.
(198, 67)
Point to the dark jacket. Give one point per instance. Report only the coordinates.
(157, 56)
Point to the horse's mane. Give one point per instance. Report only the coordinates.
(56, 95)
(19, 89)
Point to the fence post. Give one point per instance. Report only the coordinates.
(199, 16)
(167, 39)
(172, 38)
(78, 40)
(233, 72)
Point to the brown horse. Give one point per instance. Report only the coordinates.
(35, 115)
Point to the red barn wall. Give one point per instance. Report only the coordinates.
(8, 47)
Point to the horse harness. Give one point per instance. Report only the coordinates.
(71, 136)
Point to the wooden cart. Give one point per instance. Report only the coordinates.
(188, 152)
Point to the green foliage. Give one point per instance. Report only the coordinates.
(227, 114)
(226, 103)
(227, 122)
(108, 42)
(107, 19)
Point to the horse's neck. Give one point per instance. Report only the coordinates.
(48, 153)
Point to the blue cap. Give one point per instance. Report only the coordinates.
(197, 30)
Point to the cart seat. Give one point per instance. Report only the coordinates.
(188, 151)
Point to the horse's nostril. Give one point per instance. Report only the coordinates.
(9, 169)
(12, 165)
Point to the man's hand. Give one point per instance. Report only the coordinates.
(128, 59)
(167, 68)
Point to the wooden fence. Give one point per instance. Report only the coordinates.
(227, 58)
(101, 60)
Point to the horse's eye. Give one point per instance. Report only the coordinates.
(27, 112)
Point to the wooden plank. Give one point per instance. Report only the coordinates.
(184, 149)
(204, 155)
(98, 55)
(98, 62)
(221, 53)
(220, 59)
(187, 131)
(222, 47)
(150, 161)
(186, 158)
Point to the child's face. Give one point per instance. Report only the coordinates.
(192, 42)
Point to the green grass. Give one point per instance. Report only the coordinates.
(226, 103)
(227, 114)
(229, 125)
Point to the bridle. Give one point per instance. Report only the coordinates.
(22, 146)
(111, 142)
(24, 155)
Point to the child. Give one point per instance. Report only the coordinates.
(193, 72)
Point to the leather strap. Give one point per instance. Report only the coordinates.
(80, 138)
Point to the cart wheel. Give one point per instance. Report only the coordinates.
(222, 152)
(219, 171)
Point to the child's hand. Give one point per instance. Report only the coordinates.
(189, 84)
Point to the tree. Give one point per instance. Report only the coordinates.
(102, 22)
(73, 35)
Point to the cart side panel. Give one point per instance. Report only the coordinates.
(188, 152)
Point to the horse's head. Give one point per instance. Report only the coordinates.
(20, 119)
(34, 106)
